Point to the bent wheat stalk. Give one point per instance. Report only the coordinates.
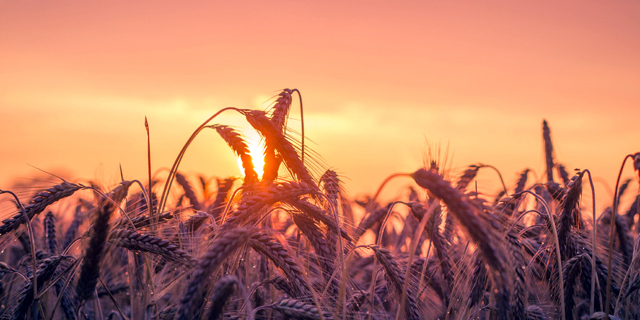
(176, 163)
(612, 232)
(32, 245)
(551, 222)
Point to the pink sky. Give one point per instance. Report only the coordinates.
(378, 80)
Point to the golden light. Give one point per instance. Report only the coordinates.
(256, 150)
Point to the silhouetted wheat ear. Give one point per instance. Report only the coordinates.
(570, 216)
(441, 247)
(72, 230)
(483, 233)
(282, 284)
(274, 137)
(506, 205)
(90, 268)
(40, 202)
(46, 269)
(320, 215)
(296, 309)
(265, 198)
(478, 282)
(50, 233)
(468, 175)
(223, 245)
(571, 272)
(222, 291)
(331, 185)
(548, 149)
(279, 116)
(522, 181)
(520, 294)
(263, 243)
(280, 111)
(555, 190)
(119, 192)
(480, 232)
(239, 146)
(623, 188)
(224, 186)
(67, 302)
(562, 172)
(132, 240)
(326, 256)
(143, 221)
(187, 228)
(395, 274)
(188, 191)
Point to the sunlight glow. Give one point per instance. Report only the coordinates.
(256, 150)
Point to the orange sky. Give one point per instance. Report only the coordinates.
(377, 79)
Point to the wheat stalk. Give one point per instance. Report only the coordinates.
(40, 202)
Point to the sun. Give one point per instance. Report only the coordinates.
(256, 150)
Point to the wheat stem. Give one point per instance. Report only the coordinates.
(612, 230)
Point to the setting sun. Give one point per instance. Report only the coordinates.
(256, 150)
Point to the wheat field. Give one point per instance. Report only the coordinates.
(291, 244)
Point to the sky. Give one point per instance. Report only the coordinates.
(381, 84)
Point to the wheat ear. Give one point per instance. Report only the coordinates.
(263, 243)
(264, 198)
(277, 139)
(222, 291)
(393, 271)
(90, 268)
(475, 227)
(44, 273)
(239, 146)
(569, 215)
(133, 240)
(40, 202)
(296, 309)
(548, 149)
(225, 243)
(70, 234)
(467, 176)
(50, 233)
(279, 115)
(188, 191)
